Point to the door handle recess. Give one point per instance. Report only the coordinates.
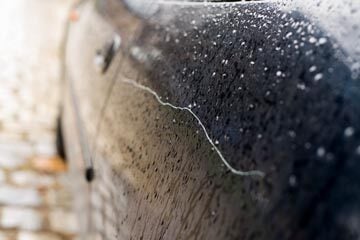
(105, 55)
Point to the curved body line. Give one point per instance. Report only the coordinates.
(158, 98)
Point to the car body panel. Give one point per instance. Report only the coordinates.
(223, 121)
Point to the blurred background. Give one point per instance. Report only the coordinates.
(34, 201)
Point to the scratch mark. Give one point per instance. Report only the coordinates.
(204, 3)
(158, 98)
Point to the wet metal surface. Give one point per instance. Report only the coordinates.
(198, 96)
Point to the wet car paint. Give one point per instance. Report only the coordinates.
(203, 95)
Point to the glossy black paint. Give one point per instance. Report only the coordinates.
(265, 121)
(274, 92)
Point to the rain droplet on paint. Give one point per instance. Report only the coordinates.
(312, 69)
(322, 41)
(318, 77)
(292, 181)
(320, 152)
(349, 131)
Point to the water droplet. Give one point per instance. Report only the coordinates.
(167, 38)
(312, 69)
(289, 34)
(349, 131)
(292, 181)
(318, 77)
(216, 142)
(301, 86)
(312, 40)
(321, 152)
(292, 134)
(322, 41)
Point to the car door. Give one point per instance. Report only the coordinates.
(90, 75)
(90, 67)
(226, 121)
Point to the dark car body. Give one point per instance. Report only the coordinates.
(199, 120)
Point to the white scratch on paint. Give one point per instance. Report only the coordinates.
(158, 98)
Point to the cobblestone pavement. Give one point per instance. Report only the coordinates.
(34, 202)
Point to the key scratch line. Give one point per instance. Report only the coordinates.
(158, 98)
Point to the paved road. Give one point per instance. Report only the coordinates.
(34, 201)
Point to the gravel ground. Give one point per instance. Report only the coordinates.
(34, 201)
